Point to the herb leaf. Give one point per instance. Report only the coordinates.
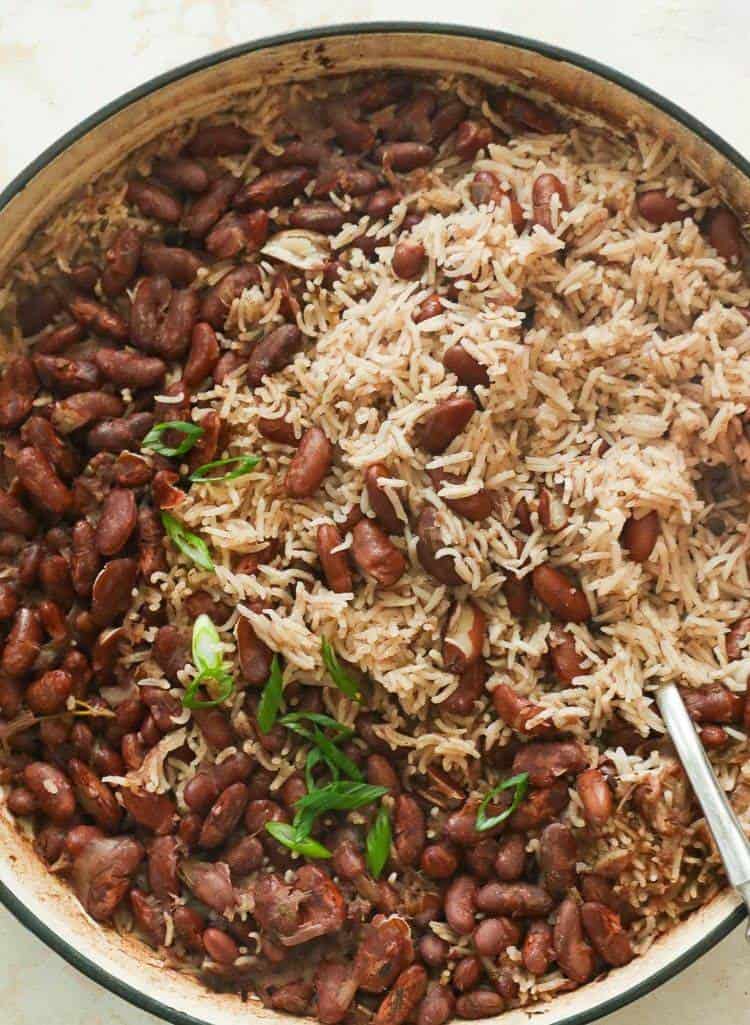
(153, 440)
(189, 699)
(340, 731)
(521, 784)
(189, 544)
(343, 795)
(314, 758)
(378, 842)
(304, 845)
(244, 465)
(338, 674)
(270, 699)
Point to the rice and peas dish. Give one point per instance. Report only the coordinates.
(371, 453)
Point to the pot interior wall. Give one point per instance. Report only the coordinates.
(100, 149)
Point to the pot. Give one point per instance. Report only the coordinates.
(39, 900)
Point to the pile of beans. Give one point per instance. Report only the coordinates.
(80, 511)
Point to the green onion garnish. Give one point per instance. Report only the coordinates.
(207, 659)
(270, 699)
(153, 440)
(343, 795)
(190, 700)
(244, 465)
(521, 784)
(338, 674)
(194, 547)
(378, 842)
(304, 845)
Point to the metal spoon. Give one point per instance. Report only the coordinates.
(724, 825)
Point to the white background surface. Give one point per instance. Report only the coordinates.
(62, 59)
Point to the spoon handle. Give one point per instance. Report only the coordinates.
(724, 825)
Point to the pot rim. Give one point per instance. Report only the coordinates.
(8, 899)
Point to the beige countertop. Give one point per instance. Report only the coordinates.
(62, 59)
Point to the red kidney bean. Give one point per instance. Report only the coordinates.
(122, 259)
(405, 156)
(13, 516)
(237, 232)
(11, 697)
(151, 557)
(218, 300)
(567, 662)
(66, 376)
(132, 471)
(546, 761)
(447, 119)
(273, 352)
(117, 521)
(517, 591)
(129, 369)
(335, 564)
(8, 601)
(556, 590)
(210, 883)
(39, 479)
(173, 337)
(220, 947)
(39, 433)
(188, 926)
(150, 302)
(181, 173)
(21, 801)
(152, 811)
(474, 507)
(168, 265)
(725, 235)
(207, 208)
(735, 641)
(52, 791)
(437, 1006)
(171, 651)
(94, 796)
(326, 218)
(640, 535)
(111, 591)
(375, 554)
(443, 423)
(295, 153)
(460, 904)
(409, 831)
(219, 140)
(346, 180)
(439, 861)
(162, 868)
(385, 950)
(224, 815)
(18, 387)
(514, 900)
(379, 500)
(148, 917)
(334, 989)
(537, 951)
(380, 203)
(310, 464)
(521, 111)
(712, 703)
(28, 564)
(464, 636)
(493, 936)
(245, 856)
(539, 807)
(714, 737)
(411, 121)
(103, 871)
(203, 355)
(38, 309)
(54, 579)
(596, 797)
(274, 188)
(466, 974)
(116, 435)
(154, 200)
(381, 773)
(558, 854)
(71, 414)
(486, 189)
(254, 655)
(516, 711)
(604, 928)
(658, 208)
(544, 188)
(433, 951)
(470, 688)
(352, 135)
(23, 643)
(382, 92)
(78, 837)
(58, 339)
(471, 137)
(442, 568)
(409, 259)
(203, 789)
(49, 693)
(430, 307)
(573, 954)
(403, 998)
(98, 318)
(482, 1003)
